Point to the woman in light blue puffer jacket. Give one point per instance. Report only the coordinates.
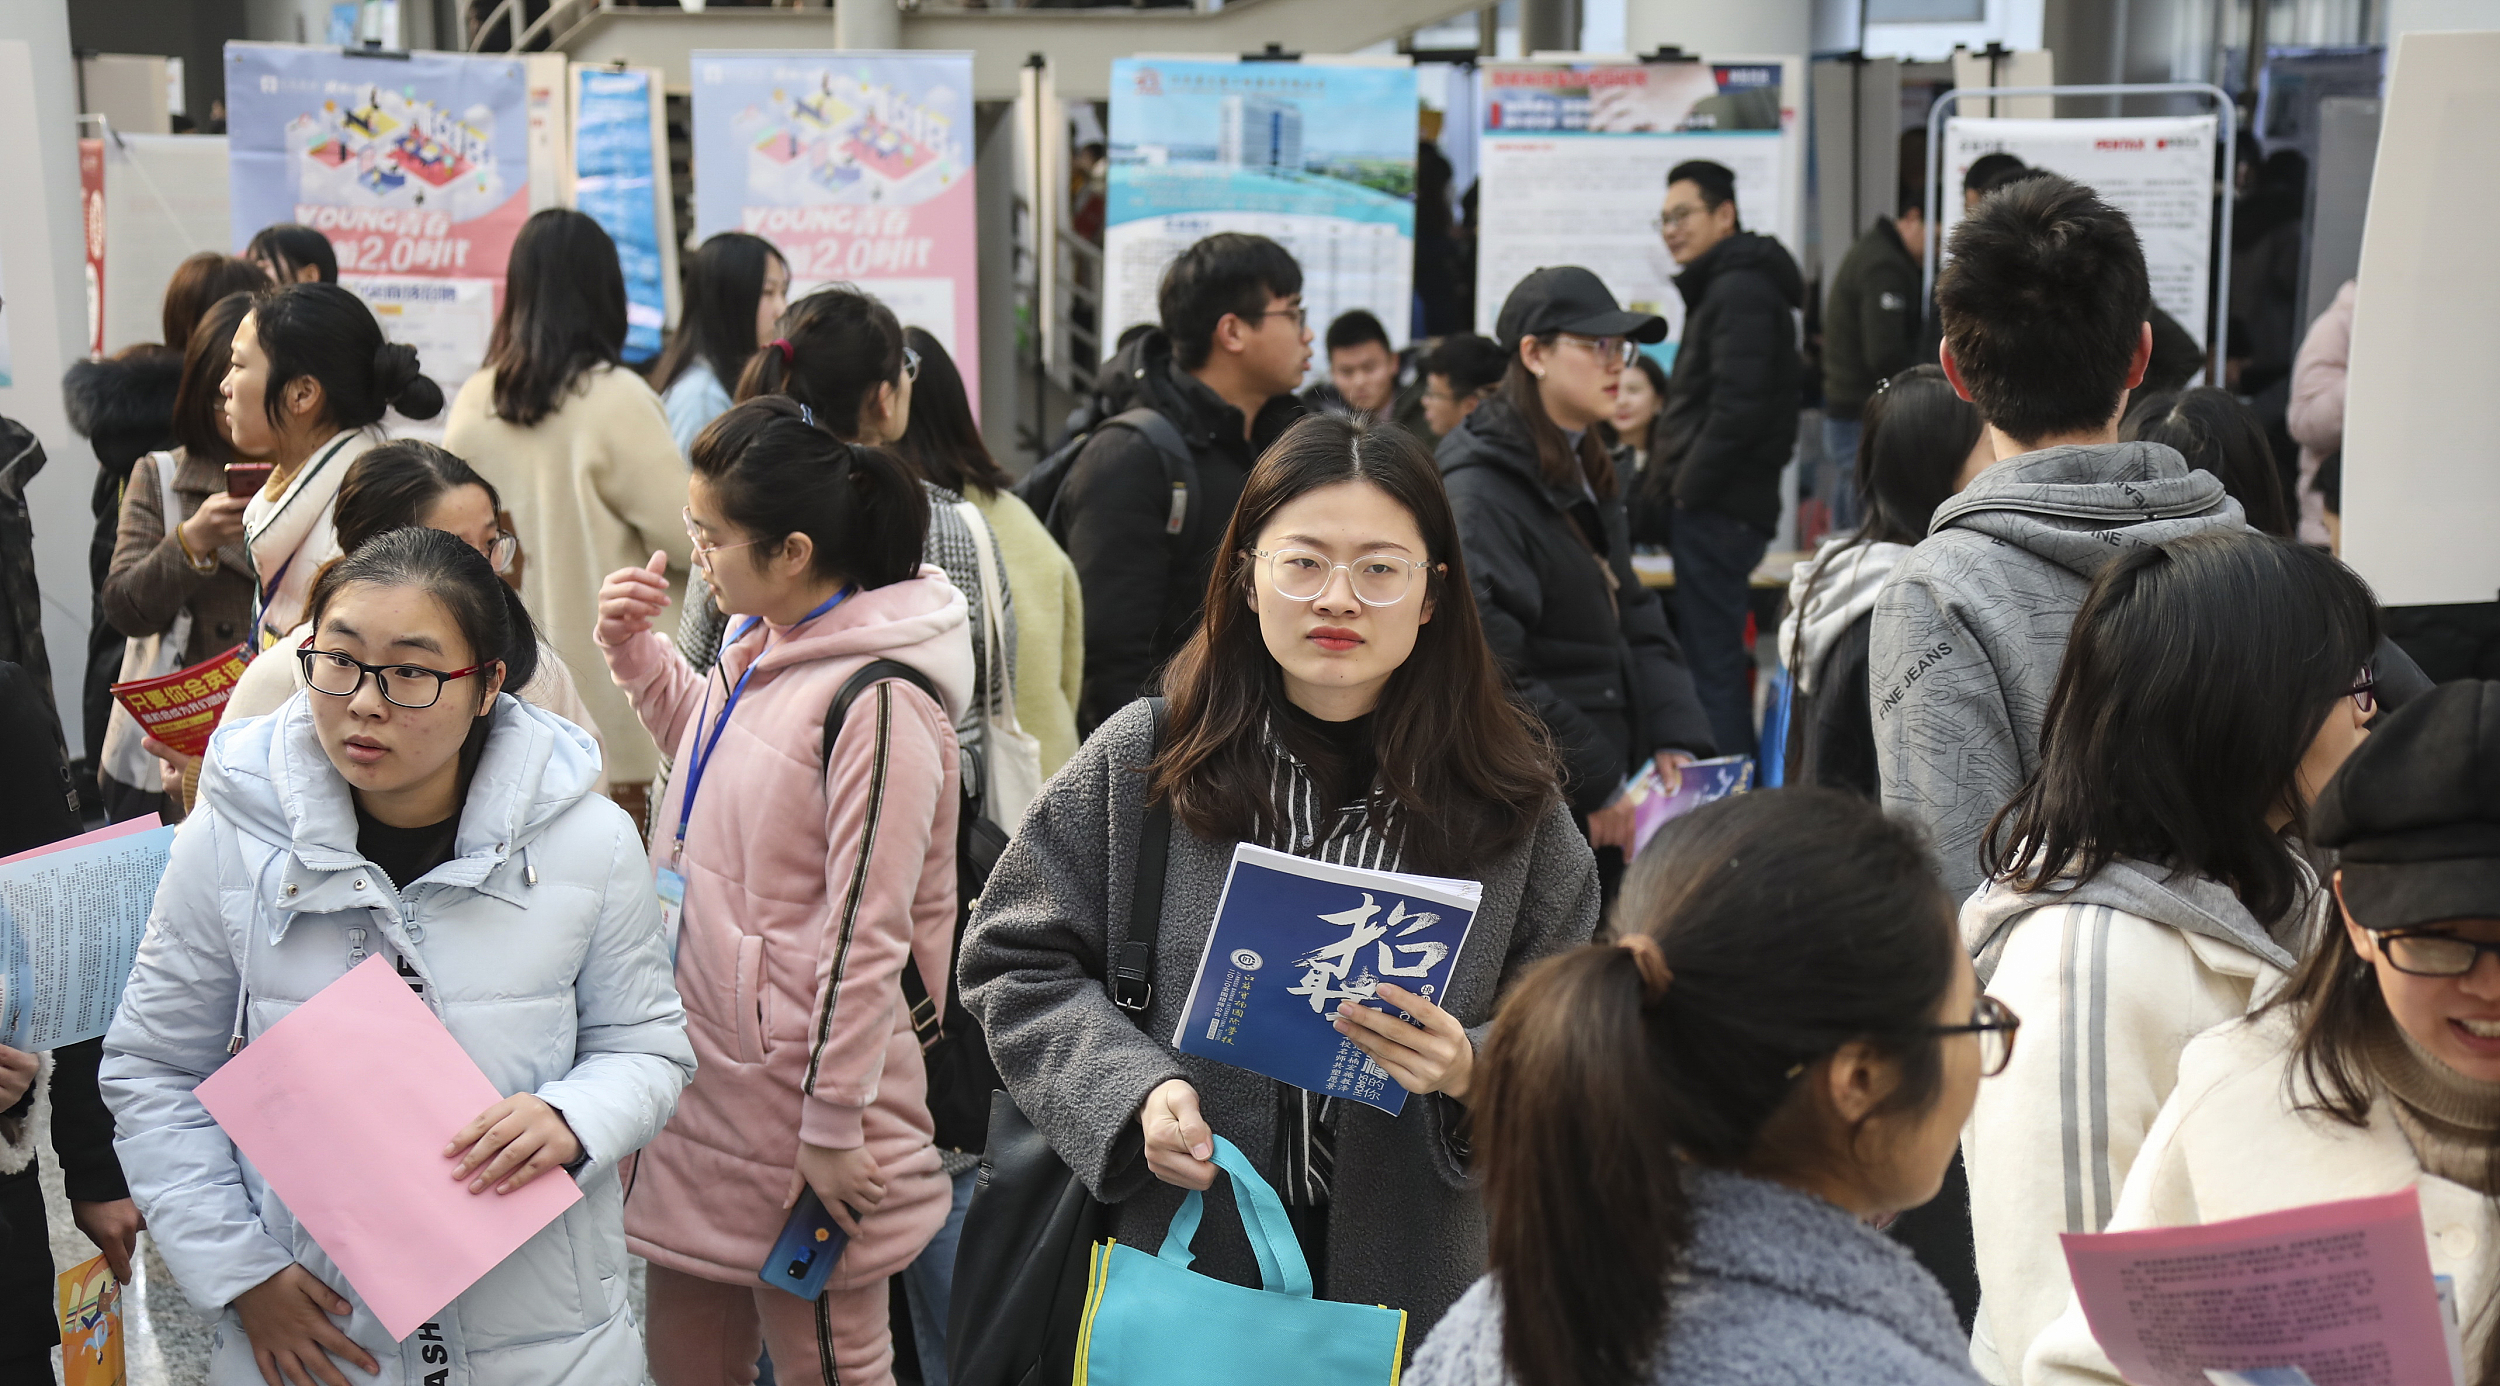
(526, 922)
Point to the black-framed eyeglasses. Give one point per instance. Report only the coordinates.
(911, 364)
(2432, 953)
(2364, 692)
(1301, 315)
(328, 671)
(502, 549)
(1995, 1023)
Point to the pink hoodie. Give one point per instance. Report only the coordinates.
(805, 891)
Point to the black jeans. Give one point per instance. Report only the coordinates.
(1715, 556)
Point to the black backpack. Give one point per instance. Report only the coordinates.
(961, 1076)
(1041, 486)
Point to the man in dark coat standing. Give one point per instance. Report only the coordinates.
(1870, 334)
(1730, 426)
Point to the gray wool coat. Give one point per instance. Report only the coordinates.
(1404, 1228)
(1779, 1288)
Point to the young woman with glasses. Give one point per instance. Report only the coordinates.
(404, 809)
(806, 864)
(1541, 513)
(1683, 1135)
(392, 487)
(1338, 703)
(2149, 881)
(2377, 1070)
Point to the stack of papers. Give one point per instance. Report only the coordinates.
(71, 916)
(1292, 940)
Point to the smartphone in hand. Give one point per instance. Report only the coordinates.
(803, 1255)
(244, 479)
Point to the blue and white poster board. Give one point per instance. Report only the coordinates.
(1316, 155)
(857, 166)
(1575, 158)
(415, 167)
(620, 180)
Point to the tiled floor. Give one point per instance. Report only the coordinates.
(166, 1339)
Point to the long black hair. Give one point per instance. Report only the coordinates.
(206, 356)
(2196, 676)
(1790, 922)
(563, 314)
(2218, 434)
(288, 247)
(837, 345)
(327, 333)
(1467, 767)
(724, 282)
(1915, 436)
(773, 475)
(941, 439)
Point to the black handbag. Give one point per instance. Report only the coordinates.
(1021, 1263)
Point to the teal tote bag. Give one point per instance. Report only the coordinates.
(1153, 1319)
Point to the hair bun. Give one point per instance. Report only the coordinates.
(409, 390)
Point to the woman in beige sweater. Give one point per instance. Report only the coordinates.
(580, 448)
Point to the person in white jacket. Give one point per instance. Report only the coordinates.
(402, 806)
(2143, 887)
(2379, 1069)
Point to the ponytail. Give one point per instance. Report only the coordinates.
(773, 474)
(1761, 933)
(832, 350)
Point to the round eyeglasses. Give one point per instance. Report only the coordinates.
(1618, 350)
(1995, 1023)
(2433, 953)
(1299, 575)
(911, 364)
(703, 551)
(502, 549)
(410, 686)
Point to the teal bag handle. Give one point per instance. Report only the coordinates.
(1282, 1268)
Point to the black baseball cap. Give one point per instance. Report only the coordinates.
(2415, 812)
(1567, 298)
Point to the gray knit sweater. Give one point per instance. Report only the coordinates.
(1780, 1289)
(1403, 1228)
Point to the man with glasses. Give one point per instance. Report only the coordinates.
(1728, 427)
(1145, 503)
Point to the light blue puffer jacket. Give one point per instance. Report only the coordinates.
(540, 947)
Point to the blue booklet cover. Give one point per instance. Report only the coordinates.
(1292, 939)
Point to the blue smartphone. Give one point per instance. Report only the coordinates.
(804, 1253)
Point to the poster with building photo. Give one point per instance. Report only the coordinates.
(1319, 156)
(2159, 170)
(416, 167)
(1574, 160)
(858, 167)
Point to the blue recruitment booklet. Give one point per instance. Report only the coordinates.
(1292, 939)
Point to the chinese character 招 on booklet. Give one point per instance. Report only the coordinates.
(1293, 938)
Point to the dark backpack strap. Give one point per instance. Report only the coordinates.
(1132, 979)
(1180, 466)
(875, 671)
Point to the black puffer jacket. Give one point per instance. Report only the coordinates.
(124, 407)
(1732, 399)
(1144, 589)
(1606, 675)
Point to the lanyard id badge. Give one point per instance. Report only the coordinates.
(670, 886)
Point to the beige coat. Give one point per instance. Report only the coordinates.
(593, 487)
(2228, 1145)
(1050, 625)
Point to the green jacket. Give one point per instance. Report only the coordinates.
(1871, 322)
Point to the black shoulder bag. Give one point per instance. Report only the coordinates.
(1021, 1265)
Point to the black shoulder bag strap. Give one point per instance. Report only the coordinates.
(1131, 964)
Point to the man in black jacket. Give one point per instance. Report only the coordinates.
(1730, 426)
(1870, 334)
(1221, 371)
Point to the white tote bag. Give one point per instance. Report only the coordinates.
(1011, 757)
(146, 657)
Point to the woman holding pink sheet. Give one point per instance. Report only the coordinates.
(402, 806)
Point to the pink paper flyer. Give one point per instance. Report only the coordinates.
(2342, 1291)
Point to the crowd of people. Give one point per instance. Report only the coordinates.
(2084, 742)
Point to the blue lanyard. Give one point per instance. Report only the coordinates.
(706, 745)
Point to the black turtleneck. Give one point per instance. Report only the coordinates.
(1349, 745)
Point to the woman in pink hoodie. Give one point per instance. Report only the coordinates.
(799, 881)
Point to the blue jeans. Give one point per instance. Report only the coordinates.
(1840, 443)
(1715, 556)
(929, 1279)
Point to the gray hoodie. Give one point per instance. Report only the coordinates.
(1968, 634)
(2187, 902)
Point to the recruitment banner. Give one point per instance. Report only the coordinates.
(1575, 159)
(620, 180)
(2159, 170)
(858, 167)
(1317, 156)
(415, 167)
